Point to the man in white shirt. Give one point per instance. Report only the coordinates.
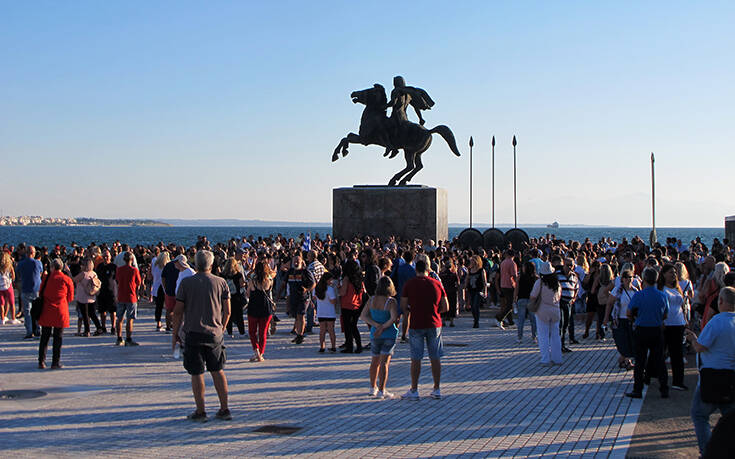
(184, 269)
(120, 260)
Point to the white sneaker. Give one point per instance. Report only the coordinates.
(411, 395)
(436, 394)
(373, 392)
(5, 320)
(500, 326)
(15, 322)
(385, 395)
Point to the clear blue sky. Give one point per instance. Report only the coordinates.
(232, 109)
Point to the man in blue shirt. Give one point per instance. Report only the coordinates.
(716, 348)
(649, 307)
(402, 274)
(29, 272)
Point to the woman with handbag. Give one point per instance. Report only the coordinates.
(617, 312)
(711, 290)
(545, 297)
(674, 323)
(233, 274)
(260, 310)
(57, 292)
(350, 293)
(450, 281)
(475, 285)
(7, 296)
(86, 287)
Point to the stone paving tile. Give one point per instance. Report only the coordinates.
(499, 402)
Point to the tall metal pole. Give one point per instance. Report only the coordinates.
(653, 201)
(515, 201)
(472, 144)
(492, 183)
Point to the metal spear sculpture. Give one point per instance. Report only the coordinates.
(472, 144)
(654, 238)
(492, 182)
(515, 236)
(470, 238)
(515, 201)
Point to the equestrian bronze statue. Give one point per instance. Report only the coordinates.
(397, 132)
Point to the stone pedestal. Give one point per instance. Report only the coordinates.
(408, 212)
(730, 228)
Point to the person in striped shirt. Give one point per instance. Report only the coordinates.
(569, 289)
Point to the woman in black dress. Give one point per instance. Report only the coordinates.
(450, 281)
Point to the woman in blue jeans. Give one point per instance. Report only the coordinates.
(475, 284)
(525, 283)
(380, 313)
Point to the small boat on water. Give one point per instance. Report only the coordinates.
(553, 225)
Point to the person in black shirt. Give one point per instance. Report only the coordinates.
(169, 277)
(450, 281)
(372, 272)
(526, 280)
(106, 296)
(235, 278)
(300, 283)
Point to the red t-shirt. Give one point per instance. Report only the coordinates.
(424, 294)
(128, 280)
(508, 273)
(352, 299)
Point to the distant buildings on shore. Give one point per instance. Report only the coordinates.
(37, 220)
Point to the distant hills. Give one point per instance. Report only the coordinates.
(281, 223)
(238, 222)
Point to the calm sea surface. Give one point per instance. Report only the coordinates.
(65, 235)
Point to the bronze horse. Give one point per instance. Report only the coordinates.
(377, 129)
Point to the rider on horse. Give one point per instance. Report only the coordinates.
(400, 98)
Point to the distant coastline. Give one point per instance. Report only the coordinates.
(37, 220)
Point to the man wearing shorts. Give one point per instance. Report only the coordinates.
(204, 302)
(128, 280)
(425, 300)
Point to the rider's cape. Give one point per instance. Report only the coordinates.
(419, 98)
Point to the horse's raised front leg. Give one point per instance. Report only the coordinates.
(352, 138)
(409, 166)
(344, 143)
(340, 146)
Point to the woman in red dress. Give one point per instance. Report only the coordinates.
(58, 292)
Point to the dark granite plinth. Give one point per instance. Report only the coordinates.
(408, 212)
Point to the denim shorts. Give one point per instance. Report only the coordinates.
(384, 346)
(129, 309)
(433, 338)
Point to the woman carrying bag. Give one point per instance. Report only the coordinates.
(544, 299)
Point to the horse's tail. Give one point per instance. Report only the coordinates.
(446, 133)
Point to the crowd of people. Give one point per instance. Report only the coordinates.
(646, 298)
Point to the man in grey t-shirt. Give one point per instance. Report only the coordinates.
(204, 302)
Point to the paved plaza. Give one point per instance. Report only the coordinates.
(498, 401)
